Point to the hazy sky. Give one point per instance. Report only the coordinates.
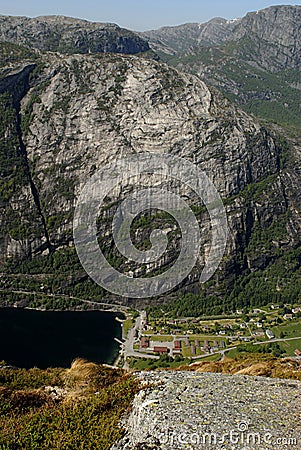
(138, 14)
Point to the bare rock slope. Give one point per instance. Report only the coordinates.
(189, 410)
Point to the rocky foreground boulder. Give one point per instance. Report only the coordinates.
(190, 410)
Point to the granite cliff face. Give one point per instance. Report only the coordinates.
(65, 116)
(68, 35)
(276, 32)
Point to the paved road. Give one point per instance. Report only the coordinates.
(128, 344)
(277, 340)
(111, 306)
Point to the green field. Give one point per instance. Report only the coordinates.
(291, 346)
(186, 351)
(290, 328)
(127, 325)
(288, 347)
(232, 353)
(150, 364)
(161, 338)
(207, 337)
(215, 357)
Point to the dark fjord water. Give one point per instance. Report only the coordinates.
(53, 339)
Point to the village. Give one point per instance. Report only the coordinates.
(194, 338)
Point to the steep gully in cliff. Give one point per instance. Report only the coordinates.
(19, 94)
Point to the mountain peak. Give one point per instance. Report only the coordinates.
(70, 35)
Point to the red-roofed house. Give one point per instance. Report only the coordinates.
(161, 350)
(177, 345)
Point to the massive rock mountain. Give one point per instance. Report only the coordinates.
(182, 38)
(254, 60)
(68, 35)
(64, 116)
(275, 30)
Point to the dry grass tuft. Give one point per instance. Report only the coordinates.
(255, 364)
(85, 377)
(80, 373)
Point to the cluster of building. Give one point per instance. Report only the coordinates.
(175, 348)
(181, 343)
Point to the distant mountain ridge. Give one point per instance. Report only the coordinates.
(182, 38)
(69, 35)
(276, 26)
(255, 61)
